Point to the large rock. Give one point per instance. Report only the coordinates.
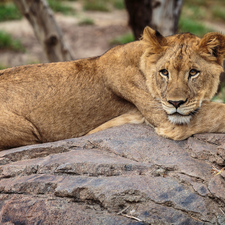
(124, 175)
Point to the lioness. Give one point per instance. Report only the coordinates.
(165, 81)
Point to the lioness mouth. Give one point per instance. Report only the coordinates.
(176, 114)
(179, 114)
(177, 118)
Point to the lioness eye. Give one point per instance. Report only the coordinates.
(164, 72)
(193, 72)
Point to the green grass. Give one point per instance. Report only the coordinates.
(194, 12)
(8, 43)
(118, 4)
(189, 25)
(204, 9)
(59, 6)
(193, 16)
(196, 2)
(86, 21)
(218, 13)
(204, 3)
(9, 12)
(220, 97)
(2, 67)
(96, 5)
(102, 5)
(128, 37)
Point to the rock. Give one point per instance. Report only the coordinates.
(221, 150)
(217, 139)
(205, 151)
(124, 175)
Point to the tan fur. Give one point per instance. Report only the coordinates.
(133, 117)
(179, 54)
(50, 102)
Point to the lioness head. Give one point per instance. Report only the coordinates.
(182, 70)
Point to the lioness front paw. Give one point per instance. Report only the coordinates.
(174, 132)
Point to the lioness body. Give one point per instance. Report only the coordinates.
(55, 101)
(39, 105)
(49, 102)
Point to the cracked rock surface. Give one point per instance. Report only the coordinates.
(124, 175)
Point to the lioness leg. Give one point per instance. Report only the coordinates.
(16, 131)
(132, 117)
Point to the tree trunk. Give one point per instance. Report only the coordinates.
(45, 28)
(159, 14)
(140, 14)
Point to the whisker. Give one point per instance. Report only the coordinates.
(193, 112)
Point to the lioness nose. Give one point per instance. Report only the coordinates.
(176, 104)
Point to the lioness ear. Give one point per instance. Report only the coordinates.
(153, 38)
(212, 46)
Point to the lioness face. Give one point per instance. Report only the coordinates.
(181, 74)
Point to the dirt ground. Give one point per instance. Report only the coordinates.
(84, 41)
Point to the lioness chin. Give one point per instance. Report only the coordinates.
(167, 82)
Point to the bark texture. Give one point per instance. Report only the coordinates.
(140, 14)
(125, 175)
(45, 28)
(159, 14)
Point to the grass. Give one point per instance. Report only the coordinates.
(86, 21)
(196, 2)
(9, 12)
(102, 5)
(218, 13)
(95, 5)
(118, 4)
(2, 67)
(204, 9)
(195, 13)
(59, 6)
(128, 37)
(7, 42)
(189, 25)
(220, 97)
(204, 3)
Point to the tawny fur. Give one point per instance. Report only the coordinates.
(50, 102)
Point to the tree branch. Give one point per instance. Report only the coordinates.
(45, 28)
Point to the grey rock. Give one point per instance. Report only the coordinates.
(124, 175)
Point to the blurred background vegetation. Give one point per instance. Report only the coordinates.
(197, 17)
(194, 16)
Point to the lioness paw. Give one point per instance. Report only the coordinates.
(174, 132)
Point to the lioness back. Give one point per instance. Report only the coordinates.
(49, 102)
